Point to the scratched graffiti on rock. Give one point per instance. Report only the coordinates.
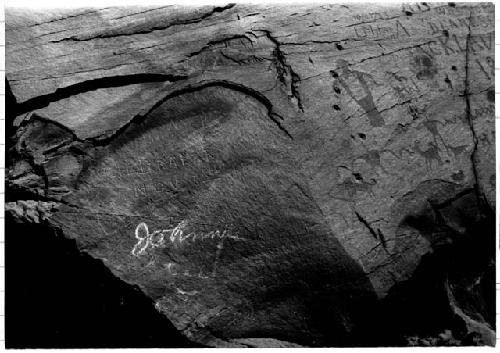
(176, 236)
(379, 31)
(450, 44)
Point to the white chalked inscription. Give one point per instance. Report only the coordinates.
(176, 236)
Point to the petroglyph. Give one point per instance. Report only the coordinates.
(458, 150)
(372, 158)
(379, 31)
(447, 23)
(430, 154)
(351, 185)
(355, 83)
(424, 67)
(432, 127)
(153, 133)
(487, 67)
(177, 236)
(450, 44)
(404, 87)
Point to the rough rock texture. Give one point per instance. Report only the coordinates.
(268, 175)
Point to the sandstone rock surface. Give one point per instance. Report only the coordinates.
(268, 175)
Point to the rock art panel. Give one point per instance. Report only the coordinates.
(267, 175)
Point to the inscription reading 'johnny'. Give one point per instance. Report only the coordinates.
(176, 236)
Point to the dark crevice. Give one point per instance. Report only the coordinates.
(281, 65)
(92, 85)
(252, 14)
(382, 239)
(118, 81)
(308, 42)
(283, 70)
(104, 140)
(11, 111)
(479, 195)
(367, 225)
(149, 30)
(295, 89)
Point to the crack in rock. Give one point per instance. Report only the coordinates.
(215, 10)
(286, 75)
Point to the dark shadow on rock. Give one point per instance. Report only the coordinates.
(418, 311)
(58, 297)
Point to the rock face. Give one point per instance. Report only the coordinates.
(268, 175)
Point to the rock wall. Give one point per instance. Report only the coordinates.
(268, 175)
